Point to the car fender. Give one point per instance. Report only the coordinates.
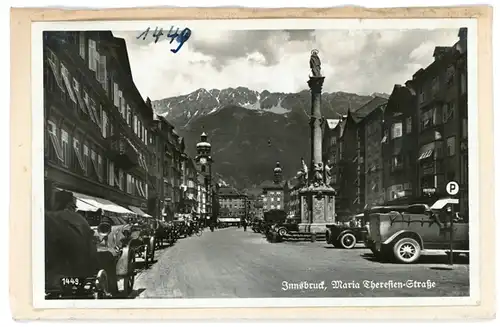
(122, 265)
(405, 233)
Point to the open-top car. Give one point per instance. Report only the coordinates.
(117, 254)
(347, 235)
(405, 233)
(142, 239)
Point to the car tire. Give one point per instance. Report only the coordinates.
(152, 249)
(129, 280)
(282, 232)
(407, 250)
(348, 241)
(328, 237)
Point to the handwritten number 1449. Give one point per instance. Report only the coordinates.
(181, 37)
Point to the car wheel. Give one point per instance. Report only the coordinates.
(101, 290)
(152, 248)
(128, 282)
(348, 241)
(407, 250)
(282, 232)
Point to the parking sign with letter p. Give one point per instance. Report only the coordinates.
(452, 188)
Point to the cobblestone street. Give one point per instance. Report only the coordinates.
(232, 263)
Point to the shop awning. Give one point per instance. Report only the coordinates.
(426, 151)
(139, 211)
(81, 205)
(87, 201)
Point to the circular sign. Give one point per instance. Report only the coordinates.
(452, 188)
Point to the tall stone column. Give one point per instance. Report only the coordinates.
(316, 85)
(317, 198)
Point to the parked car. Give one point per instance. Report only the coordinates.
(271, 218)
(287, 226)
(346, 235)
(257, 225)
(73, 267)
(181, 227)
(117, 253)
(142, 239)
(404, 234)
(165, 233)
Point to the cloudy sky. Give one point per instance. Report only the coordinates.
(359, 61)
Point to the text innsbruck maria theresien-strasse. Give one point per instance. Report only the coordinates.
(366, 284)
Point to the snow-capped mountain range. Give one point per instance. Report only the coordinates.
(249, 130)
(180, 110)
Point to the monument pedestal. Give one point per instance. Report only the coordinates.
(317, 208)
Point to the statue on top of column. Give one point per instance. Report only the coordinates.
(315, 63)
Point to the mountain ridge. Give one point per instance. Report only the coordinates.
(249, 130)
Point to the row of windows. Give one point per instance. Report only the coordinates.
(85, 100)
(85, 158)
(272, 206)
(435, 85)
(98, 63)
(272, 199)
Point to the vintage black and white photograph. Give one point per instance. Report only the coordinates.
(270, 160)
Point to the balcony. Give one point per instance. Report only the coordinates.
(123, 153)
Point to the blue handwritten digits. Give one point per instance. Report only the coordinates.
(157, 34)
(145, 33)
(182, 38)
(174, 35)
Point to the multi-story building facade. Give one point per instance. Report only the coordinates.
(292, 205)
(274, 191)
(331, 135)
(351, 159)
(373, 159)
(96, 139)
(442, 118)
(232, 204)
(400, 146)
(201, 196)
(188, 186)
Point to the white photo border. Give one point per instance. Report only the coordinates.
(38, 261)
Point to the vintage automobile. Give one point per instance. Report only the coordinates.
(83, 262)
(347, 235)
(287, 226)
(271, 219)
(71, 258)
(257, 225)
(404, 234)
(181, 228)
(115, 247)
(142, 239)
(165, 233)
